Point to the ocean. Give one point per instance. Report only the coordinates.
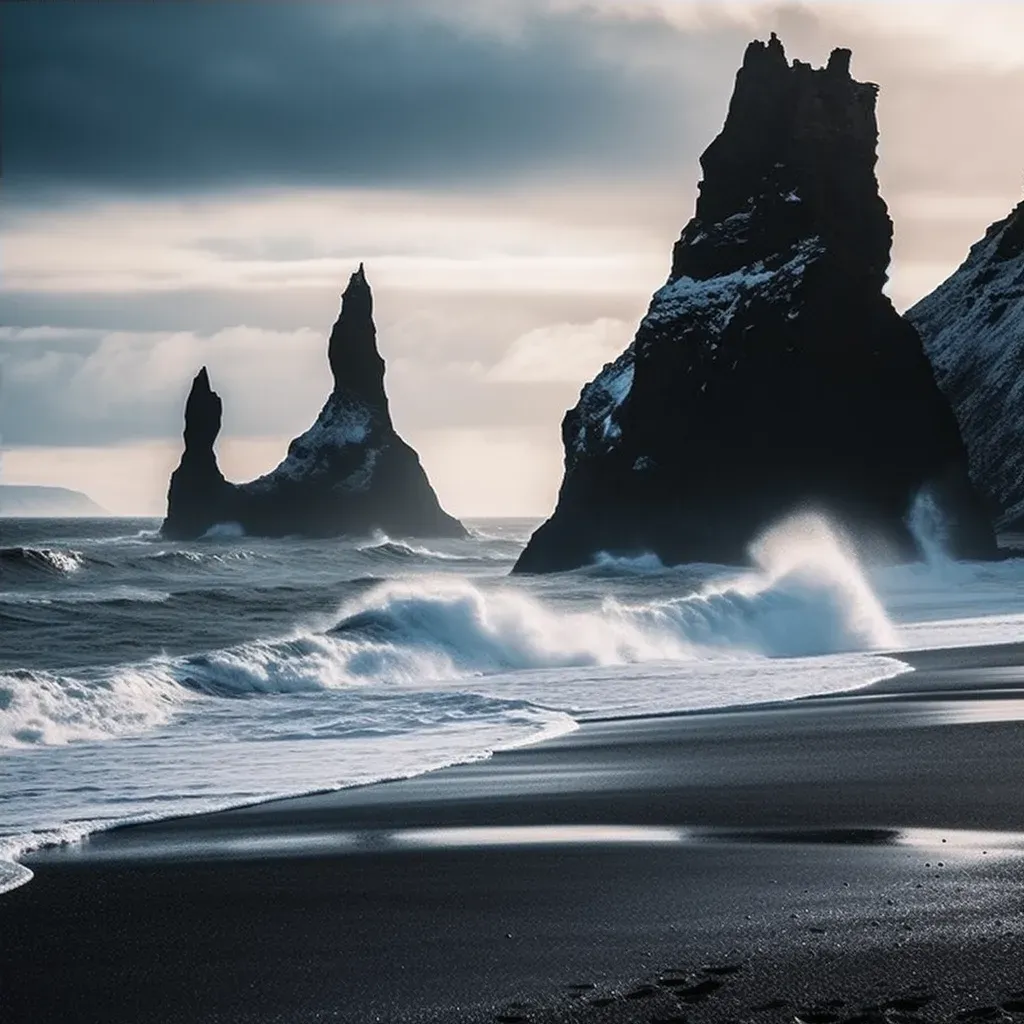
(142, 679)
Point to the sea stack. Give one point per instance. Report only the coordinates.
(973, 331)
(770, 373)
(349, 474)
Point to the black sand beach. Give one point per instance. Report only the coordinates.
(849, 858)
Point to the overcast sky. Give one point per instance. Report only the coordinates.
(190, 183)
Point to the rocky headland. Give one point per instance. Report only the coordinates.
(770, 373)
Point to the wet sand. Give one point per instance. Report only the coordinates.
(848, 858)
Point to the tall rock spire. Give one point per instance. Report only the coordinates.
(770, 373)
(203, 410)
(352, 351)
(350, 473)
(198, 495)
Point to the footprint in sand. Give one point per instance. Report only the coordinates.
(643, 992)
(721, 970)
(699, 992)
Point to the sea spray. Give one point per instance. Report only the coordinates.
(930, 528)
(224, 531)
(808, 552)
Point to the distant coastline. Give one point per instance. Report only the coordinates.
(30, 502)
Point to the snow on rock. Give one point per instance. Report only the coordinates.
(340, 424)
(712, 303)
(973, 331)
(600, 401)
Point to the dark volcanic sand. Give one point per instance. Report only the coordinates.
(789, 865)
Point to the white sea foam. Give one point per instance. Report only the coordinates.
(189, 558)
(276, 752)
(45, 708)
(224, 531)
(12, 874)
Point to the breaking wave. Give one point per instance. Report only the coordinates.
(808, 596)
(44, 561)
(385, 548)
(49, 709)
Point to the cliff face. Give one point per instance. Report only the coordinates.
(770, 372)
(973, 331)
(350, 473)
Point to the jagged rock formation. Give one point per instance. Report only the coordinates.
(350, 473)
(973, 331)
(770, 371)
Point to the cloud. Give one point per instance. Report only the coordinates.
(313, 238)
(175, 97)
(563, 352)
(182, 97)
(97, 387)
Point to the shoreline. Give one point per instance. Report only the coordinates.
(792, 848)
(976, 657)
(15, 873)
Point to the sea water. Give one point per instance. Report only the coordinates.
(141, 678)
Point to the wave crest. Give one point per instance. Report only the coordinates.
(48, 561)
(808, 596)
(385, 548)
(43, 708)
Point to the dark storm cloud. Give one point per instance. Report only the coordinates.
(157, 97)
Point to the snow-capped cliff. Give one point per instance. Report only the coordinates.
(973, 331)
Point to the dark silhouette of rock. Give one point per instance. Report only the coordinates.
(199, 497)
(973, 331)
(770, 372)
(350, 473)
